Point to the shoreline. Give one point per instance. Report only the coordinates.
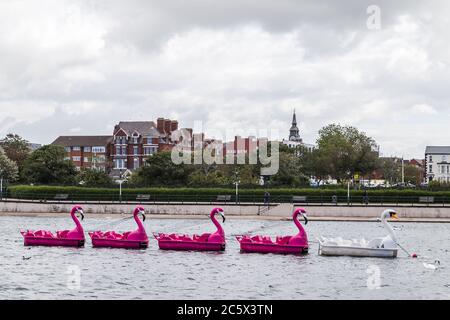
(230, 217)
(278, 212)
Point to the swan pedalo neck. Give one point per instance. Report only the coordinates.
(390, 241)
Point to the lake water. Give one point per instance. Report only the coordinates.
(49, 273)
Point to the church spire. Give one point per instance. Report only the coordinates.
(294, 132)
(294, 120)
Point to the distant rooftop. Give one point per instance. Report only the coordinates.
(437, 150)
(81, 141)
(34, 146)
(145, 128)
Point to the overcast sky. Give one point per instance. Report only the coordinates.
(78, 67)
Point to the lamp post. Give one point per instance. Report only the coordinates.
(1, 188)
(237, 181)
(403, 172)
(121, 181)
(348, 187)
(348, 192)
(94, 160)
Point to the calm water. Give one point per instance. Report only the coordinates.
(154, 274)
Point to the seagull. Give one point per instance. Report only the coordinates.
(434, 266)
(26, 258)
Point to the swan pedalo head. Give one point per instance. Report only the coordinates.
(221, 212)
(302, 213)
(79, 209)
(141, 211)
(389, 214)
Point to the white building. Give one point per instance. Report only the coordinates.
(437, 164)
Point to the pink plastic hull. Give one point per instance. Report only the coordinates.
(272, 248)
(53, 242)
(190, 245)
(119, 244)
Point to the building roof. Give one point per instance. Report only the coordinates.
(81, 141)
(145, 128)
(34, 146)
(437, 150)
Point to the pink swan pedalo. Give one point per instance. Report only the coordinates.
(297, 244)
(66, 238)
(205, 242)
(129, 240)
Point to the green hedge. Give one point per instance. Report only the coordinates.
(210, 194)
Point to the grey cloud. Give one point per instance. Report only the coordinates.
(241, 63)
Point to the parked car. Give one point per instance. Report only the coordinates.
(383, 185)
(404, 185)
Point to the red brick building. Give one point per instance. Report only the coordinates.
(91, 152)
(241, 146)
(135, 141)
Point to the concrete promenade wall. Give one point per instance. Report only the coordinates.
(283, 210)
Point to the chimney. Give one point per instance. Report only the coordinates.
(160, 125)
(174, 126)
(167, 125)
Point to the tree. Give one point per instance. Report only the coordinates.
(345, 151)
(290, 173)
(159, 170)
(210, 179)
(247, 174)
(314, 165)
(16, 148)
(8, 168)
(47, 165)
(94, 178)
(413, 174)
(391, 169)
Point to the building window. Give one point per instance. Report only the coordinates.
(86, 159)
(121, 151)
(120, 163)
(121, 140)
(99, 159)
(98, 149)
(135, 151)
(431, 168)
(87, 149)
(150, 150)
(67, 149)
(76, 158)
(76, 149)
(136, 163)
